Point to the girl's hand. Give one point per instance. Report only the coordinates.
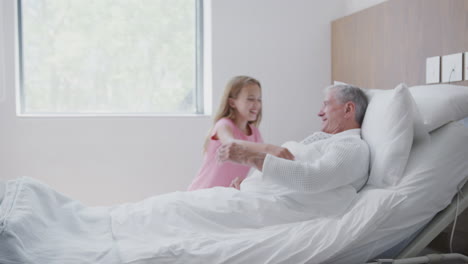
(238, 153)
(232, 152)
(236, 183)
(280, 152)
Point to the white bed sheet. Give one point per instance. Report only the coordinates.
(39, 225)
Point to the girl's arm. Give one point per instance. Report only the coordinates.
(224, 134)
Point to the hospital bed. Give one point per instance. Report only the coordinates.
(93, 230)
(39, 224)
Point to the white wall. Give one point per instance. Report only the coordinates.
(353, 6)
(100, 161)
(2, 55)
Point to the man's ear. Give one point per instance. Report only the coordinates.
(350, 108)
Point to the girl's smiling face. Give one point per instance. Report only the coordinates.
(248, 103)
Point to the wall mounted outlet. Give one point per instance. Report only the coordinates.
(433, 69)
(452, 67)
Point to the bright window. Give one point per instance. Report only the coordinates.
(110, 56)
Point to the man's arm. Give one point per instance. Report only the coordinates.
(341, 164)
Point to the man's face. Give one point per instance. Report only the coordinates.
(332, 114)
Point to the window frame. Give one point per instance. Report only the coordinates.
(200, 96)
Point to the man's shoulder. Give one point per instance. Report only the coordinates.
(351, 141)
(317, 136)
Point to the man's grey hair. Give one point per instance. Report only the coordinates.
(346, 93)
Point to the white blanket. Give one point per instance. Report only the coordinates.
(219, 225)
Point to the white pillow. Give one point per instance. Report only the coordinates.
(433, 174)
(441, 103)
(388, 128)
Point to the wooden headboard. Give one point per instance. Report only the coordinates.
(387, 44)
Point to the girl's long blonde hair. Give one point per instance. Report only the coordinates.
(232, 90)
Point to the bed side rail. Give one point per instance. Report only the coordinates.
(437, 224)
(431, 258)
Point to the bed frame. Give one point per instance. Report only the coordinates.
(432, 258)
(441, 221)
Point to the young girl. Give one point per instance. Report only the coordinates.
(237, 120)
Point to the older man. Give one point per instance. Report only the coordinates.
(324, 161)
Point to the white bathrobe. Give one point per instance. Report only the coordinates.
(328, 171)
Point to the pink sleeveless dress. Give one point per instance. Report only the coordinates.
(212, 173)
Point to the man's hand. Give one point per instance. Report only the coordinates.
(237, 153)
(280, 152)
